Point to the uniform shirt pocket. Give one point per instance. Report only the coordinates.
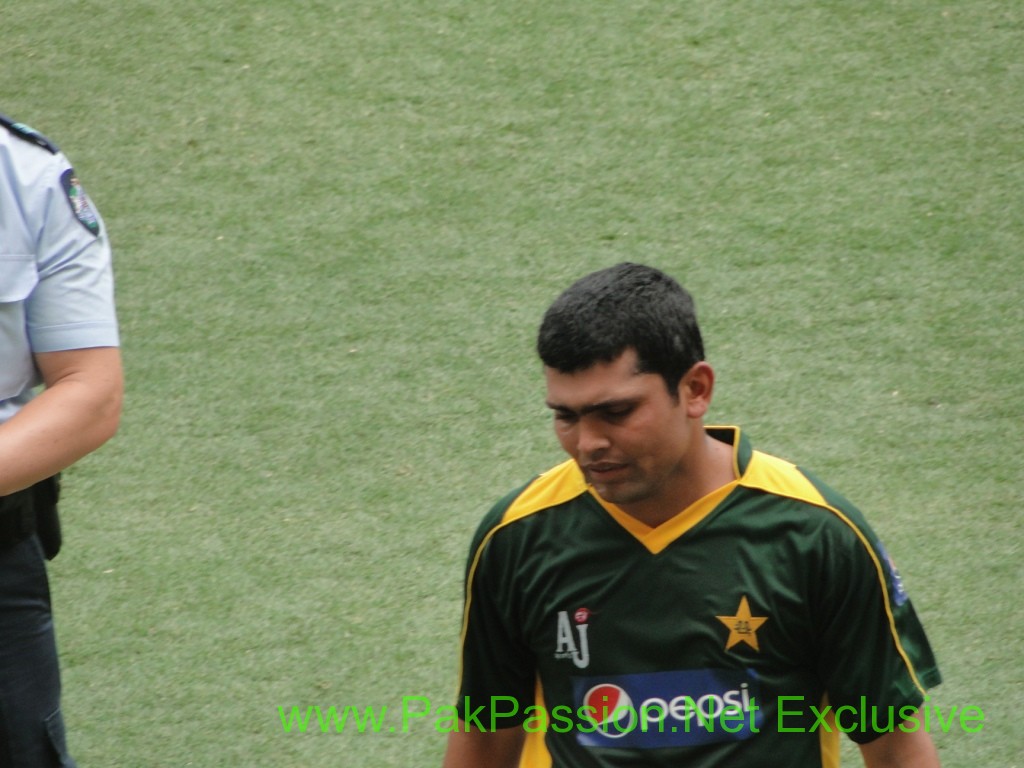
(18, 276)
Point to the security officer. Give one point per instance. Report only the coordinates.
(58, 329)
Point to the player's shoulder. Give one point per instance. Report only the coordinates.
(559, 485)
(783, 478)
(801, 491)
(24, 133)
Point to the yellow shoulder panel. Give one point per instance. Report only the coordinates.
(778, 476)
(557, 485)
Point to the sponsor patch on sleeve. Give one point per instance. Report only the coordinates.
(899, 593)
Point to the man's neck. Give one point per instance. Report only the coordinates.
(708, 468)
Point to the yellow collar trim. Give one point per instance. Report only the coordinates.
(656, 539)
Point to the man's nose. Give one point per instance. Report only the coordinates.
(591, 438)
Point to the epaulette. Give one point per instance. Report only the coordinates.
(23, 131)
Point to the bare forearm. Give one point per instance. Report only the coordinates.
(77, 412)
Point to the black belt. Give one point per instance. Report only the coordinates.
(33, 510)
(17, 516)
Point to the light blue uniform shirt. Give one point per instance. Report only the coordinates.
(56, 283)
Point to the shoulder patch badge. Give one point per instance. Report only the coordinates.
(80, 204)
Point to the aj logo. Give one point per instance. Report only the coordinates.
(566, 644)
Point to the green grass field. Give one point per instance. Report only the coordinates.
(336, 226)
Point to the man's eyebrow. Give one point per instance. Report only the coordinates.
(603, 405)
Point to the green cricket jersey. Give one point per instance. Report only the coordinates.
(749, 630)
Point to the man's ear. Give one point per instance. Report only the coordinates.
(696, 388)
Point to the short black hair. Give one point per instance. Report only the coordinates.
(605, 313)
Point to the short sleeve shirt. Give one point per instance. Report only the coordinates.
(56, 281)
(713, 639)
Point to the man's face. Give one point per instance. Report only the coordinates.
(628, 435)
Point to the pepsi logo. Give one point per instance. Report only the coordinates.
(683, 707)
(611, 709)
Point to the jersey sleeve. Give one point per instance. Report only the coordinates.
(875, 659)
(72, 305)
(497, 680)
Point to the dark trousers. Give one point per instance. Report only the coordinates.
(31, 725)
